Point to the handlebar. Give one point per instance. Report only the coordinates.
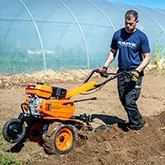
(106, 75)
(96, 71)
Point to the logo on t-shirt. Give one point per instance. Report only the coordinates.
(127, 44)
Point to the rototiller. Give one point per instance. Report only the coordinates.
(48, 118)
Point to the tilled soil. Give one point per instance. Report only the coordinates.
(102, 147)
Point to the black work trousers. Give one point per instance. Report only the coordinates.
(129, 92)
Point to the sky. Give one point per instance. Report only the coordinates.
(148, 3)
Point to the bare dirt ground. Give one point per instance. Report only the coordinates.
(105, 147)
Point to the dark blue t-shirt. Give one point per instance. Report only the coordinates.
(131, 47)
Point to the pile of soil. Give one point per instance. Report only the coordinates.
(110, 146)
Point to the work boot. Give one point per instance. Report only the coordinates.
(126, 126)
(137, 128)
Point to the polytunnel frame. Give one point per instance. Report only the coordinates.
(8, 29)
(104, 14)
(38, 33)
(109, 20)
(80, 28)
(152, 19)
(79, 25)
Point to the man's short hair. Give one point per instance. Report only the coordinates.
(131, 13)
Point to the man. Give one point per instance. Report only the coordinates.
(133, 55)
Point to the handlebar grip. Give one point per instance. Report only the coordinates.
(105, 75)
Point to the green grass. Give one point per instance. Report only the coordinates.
(158, 62)
(7, 158)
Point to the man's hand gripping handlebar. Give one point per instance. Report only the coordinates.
(104, 73)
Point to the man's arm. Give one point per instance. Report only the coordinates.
(110, 57)
(145, 62)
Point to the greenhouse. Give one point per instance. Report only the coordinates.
(38, 35)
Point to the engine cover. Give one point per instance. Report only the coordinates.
(42, 91)
(45, 91)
